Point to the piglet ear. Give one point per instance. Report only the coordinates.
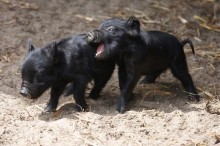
(53, 45)
(30, 47)
(133, 26)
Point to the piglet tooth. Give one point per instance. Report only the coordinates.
(98, 53)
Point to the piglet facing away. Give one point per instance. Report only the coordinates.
(141, 53)
(70, 60)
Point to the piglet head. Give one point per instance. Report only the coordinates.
(114, 36)
(38, 70)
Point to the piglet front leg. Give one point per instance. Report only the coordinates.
(56, 90)
(127, 85)
(79, 88)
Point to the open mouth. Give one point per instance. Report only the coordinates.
(95, 37)
(100, 51)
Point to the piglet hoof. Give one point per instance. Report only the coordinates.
(121, 110)
(197, 97)
(50, 108)
(82, 108)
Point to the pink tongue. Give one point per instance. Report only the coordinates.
(100, 48)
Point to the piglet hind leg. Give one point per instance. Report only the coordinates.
(98, 86)
(100, 81)
(56, 91)
(180, 71)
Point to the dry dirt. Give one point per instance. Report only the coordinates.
(160, 113)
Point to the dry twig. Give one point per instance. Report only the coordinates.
(203, 23)
(206, 93)
(159, 6)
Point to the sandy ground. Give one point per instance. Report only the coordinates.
(26, 124)
(160, 113)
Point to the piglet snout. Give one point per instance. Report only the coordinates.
(90, 37)
(94, 36)
(24, 92)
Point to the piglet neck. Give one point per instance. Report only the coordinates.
(133, 43)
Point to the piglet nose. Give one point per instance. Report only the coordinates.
(90, 36)
(94, 36)
(24, 91)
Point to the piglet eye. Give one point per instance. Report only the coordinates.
(111, 29)
(40, 72)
